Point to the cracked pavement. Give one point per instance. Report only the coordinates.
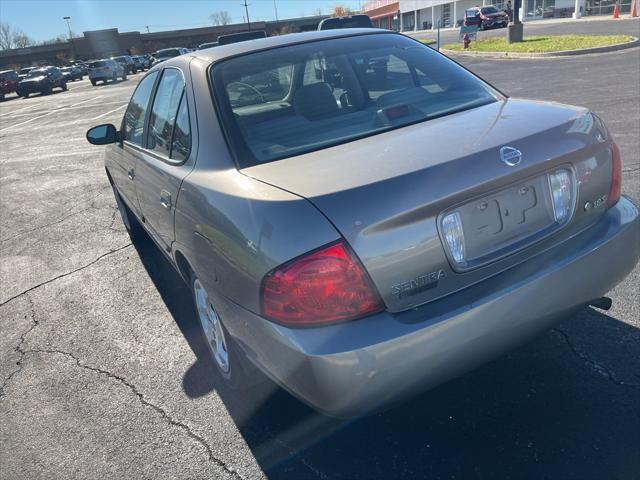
(104, 376)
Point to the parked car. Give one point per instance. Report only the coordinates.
(142, 62)
(71, 74)
(41, 80)
(82, 66)
(202, 46)
(167, 53)
(351, 21)
(22, 74)
(127, 62)
(8, 82)
(288, 184)
(486, 17)
(106, 70)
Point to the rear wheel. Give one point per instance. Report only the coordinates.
(47, 90)
(124, 76)
(26, 95)
(227, 356)
(114, 78)
(64, 86)
(93, 82)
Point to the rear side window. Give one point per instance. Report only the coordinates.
(137, 109)
(97, 64)
(181, 143)
(164, 112)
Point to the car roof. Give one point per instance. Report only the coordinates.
(231, 50)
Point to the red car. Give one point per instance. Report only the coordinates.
(8, 82)
(486, 17)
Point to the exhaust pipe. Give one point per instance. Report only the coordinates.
(603, 303)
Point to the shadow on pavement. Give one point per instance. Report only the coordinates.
(563, 406)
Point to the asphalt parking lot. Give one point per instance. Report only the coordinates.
(103, 375)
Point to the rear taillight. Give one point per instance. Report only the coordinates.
(616, 176)
(326, 286)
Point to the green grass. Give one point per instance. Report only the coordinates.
(542, 44)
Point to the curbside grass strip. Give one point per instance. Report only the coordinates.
(562, 53)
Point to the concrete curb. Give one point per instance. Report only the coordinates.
(565, 53)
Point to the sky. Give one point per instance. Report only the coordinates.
(42, 19)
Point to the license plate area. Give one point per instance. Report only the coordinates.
(503, 222)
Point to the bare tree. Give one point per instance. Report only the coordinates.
(220, 17)
(12, 37)
(6, 36)
(340, 11)
(22, 41)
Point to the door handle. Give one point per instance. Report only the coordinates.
(165, 199)
(131, 173)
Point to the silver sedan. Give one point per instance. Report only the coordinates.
(360, 218)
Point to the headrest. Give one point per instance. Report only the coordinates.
(315, 101)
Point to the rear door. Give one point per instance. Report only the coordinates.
(166, 159)
(125, 156)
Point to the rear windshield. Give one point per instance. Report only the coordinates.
(357, 21)
(97, 64)
(288, 101)
(170, 52)
(39, 72)
(489, 10)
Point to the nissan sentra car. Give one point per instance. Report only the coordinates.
(359, 217)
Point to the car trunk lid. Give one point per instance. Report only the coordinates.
(387, 194)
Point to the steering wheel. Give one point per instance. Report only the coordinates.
(245, 86)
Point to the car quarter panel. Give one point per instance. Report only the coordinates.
(233, 229)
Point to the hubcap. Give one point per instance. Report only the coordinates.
(212, 327)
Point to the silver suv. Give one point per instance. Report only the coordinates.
(106, 70)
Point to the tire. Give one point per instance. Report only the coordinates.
(47, 90)
(124, 77)
(114, 78)
(64, 86)
(1, 96)
(129, 220)
(230, 362)
(26, 95)
(93, 82)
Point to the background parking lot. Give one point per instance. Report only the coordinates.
(103, 375)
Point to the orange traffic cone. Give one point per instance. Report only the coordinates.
(616, 13)
(634, 8)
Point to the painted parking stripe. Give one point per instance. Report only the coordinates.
(109, 112)
(19, 110)
(49, 113)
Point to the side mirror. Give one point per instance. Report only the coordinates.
(103, 134)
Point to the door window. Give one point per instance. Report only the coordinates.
(164, 112)
(136, 111)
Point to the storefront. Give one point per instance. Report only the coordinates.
(384, 13)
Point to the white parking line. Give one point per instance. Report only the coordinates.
(19, 110)
(49, 113)
(109, 112)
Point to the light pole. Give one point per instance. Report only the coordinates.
(275, 8)
(515, 29)
(246, 9)
(73, 47)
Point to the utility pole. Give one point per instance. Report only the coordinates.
(147, 27)
(73, 47)
(246, 9)
(275, 8)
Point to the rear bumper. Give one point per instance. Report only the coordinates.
(349, 369)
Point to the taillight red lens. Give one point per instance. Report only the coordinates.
(616, 176)
(325, 286)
